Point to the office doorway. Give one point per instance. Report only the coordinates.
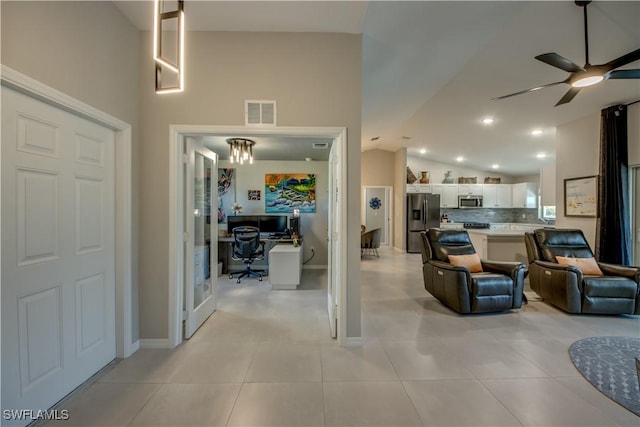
(176, 263)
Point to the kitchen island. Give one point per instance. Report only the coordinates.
(500, 245)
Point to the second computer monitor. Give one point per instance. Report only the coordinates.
(273, 224)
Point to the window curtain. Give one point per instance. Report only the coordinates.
(613, 233)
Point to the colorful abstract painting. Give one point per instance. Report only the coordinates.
(226, 193)
(286, 191)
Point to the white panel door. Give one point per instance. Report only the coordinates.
(58, 269)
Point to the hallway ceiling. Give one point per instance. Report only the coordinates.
(430, 68)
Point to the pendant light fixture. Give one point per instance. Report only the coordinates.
(173, 67)
(241, 150)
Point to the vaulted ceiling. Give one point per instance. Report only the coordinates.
(430, 68)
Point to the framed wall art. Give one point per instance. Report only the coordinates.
(581, 196)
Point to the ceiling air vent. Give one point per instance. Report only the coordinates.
(262, 113)
(320, 145)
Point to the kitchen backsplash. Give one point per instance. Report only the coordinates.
(517, 215)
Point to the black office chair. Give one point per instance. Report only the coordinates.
(247, 248)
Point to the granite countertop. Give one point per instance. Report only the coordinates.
(499, 233)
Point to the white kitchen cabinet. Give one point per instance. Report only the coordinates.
(418, 188)
(448, 194)
(496, 195)
(524, 195)
(469, 189)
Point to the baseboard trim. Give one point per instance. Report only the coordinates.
(314, 267)
(135, 346)
(353, 342)
(154, 343)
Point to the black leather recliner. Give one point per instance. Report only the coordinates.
(566, 287)
(499, 287)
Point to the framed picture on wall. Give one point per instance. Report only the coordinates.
(581, 196)
(284, 192)
(253, 194)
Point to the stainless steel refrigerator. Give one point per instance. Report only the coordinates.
(423, 212)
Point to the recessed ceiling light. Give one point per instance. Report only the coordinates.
(541, 155)
(423, 151)
(487, 120)
(459, 159)
(308, 159)
(536, 132)
(495, 166)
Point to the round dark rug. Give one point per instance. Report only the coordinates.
(609, 364)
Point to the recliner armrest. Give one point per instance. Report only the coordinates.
(446, 266)
(632, 273)
(557, 267)
(503, 267)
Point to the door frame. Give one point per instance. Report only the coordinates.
(177, 134)
(125, 346)
(388, 209)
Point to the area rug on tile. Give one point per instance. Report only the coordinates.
(609, 364)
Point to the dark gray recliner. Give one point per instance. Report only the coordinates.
(566, 287)
(499, 287)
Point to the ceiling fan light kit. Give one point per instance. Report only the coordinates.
(588, 75)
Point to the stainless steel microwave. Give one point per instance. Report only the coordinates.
(466, 202)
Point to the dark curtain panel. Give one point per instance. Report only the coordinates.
(613, 234)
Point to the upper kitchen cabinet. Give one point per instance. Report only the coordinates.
(448, 194)
(524, 195)
(418, 188)
(469, 189)
(496, 195)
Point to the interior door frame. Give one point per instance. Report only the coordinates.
(177, 135)
(388, 209)
(125, 345)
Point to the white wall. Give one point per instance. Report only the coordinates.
(314, 226)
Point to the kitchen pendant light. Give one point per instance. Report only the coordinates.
(240, 150)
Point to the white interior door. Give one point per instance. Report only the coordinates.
(201, 231)
(58, 267)
(376, 211)
(334, 241)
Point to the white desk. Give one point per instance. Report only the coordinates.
(285, 266)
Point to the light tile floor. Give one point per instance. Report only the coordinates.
(265, 358)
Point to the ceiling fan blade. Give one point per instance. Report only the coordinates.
(558, 61)
(571, 93)
(624, 74)
(533, 89)
(623, 60)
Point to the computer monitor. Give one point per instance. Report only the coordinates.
(242, 221)
(271, 224)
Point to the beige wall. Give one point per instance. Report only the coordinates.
(577, 153)
(399, 203)
(378, 168)
(633, 118)
(315, 80)
(314, 226)
(437, 170)
(87, 50)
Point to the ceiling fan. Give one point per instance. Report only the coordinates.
(588, 75)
